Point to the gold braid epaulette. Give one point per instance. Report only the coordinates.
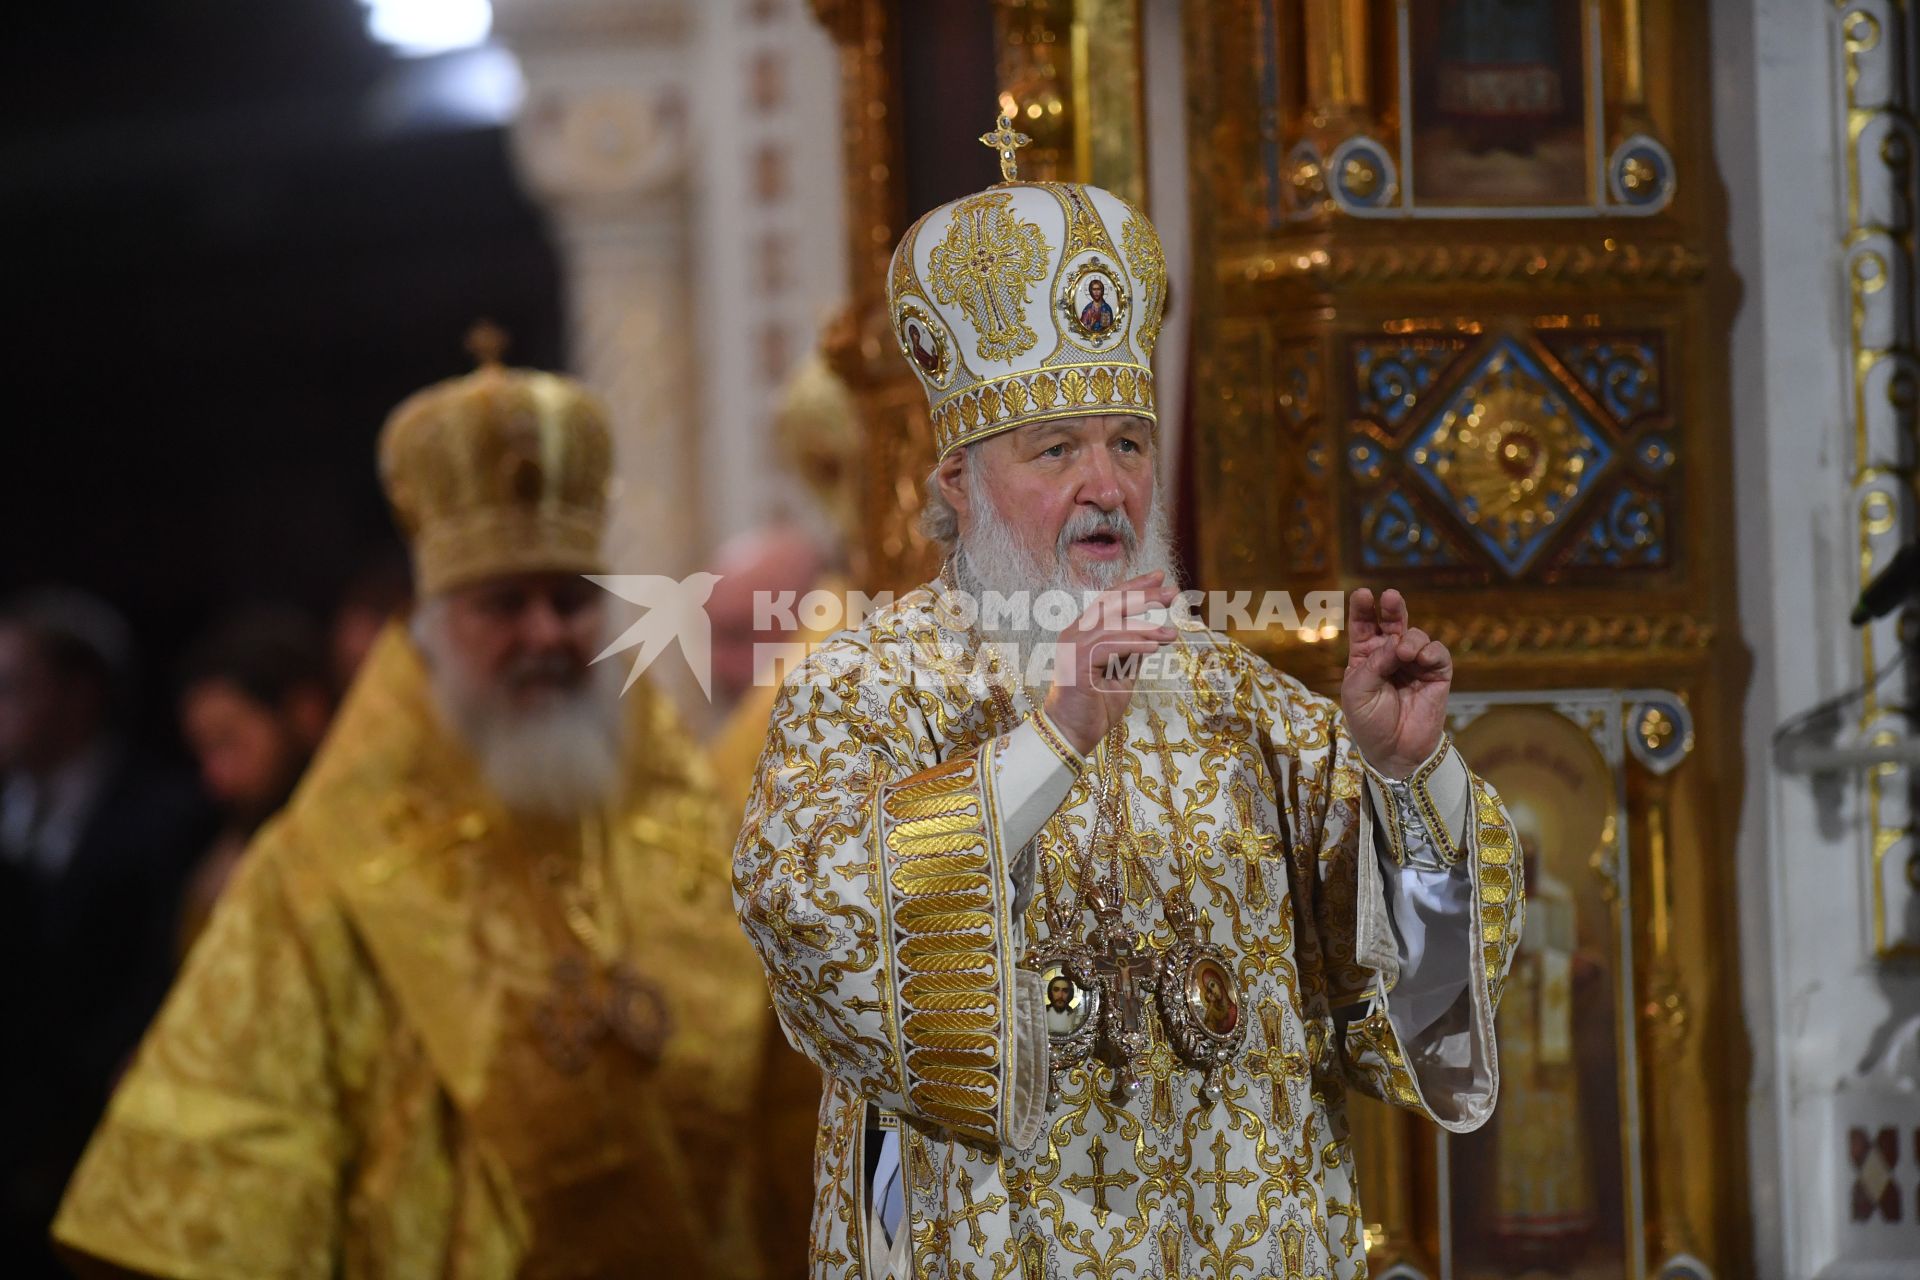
(942, 871)
(1501, 905)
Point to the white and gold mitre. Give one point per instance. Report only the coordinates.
(1028, 301)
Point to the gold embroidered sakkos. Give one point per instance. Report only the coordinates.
(874, 824)
(351, 1081)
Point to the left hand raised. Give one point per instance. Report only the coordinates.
(1394, 693)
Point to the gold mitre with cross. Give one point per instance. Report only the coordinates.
(1028, 301)
(499, 472)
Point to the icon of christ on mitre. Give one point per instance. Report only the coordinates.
(1264, 898)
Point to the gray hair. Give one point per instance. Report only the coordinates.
(938, 520)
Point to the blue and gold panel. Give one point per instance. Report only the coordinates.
(1390, 375)
(1509, 456)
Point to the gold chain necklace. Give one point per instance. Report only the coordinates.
(1198, 993)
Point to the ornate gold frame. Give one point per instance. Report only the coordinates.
(1294, 281)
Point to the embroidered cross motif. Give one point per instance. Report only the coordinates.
(1218, 1177)
(1275, 1066)
(1100, 1180)
(1250, 844)
(971, 1213)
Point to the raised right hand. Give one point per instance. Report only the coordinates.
(1086, 699)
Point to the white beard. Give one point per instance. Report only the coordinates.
(991, 561)
(560, 758)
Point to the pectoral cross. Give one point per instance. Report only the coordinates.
(1126, 979)
(1099, 1181)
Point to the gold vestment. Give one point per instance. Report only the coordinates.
(355, 1075)
(876, 876)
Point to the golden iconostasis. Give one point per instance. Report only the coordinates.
(1458, 310)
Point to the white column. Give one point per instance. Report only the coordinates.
(602, 142)
(1823, 862)
(770, 259)
(689, 156)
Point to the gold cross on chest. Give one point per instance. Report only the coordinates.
(1007, 140)
(1218, 1177)
(1127, 979)
(971, 1213)
(1250, 844)
(1099, 1180)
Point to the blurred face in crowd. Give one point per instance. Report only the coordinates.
(1067, 504)
(47, 714)
(512, 665)
(251, 752)
(773, 561)
(529, 637)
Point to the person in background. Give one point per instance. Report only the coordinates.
(473, 1004)
(256, 696)
(95, 841)
(377, 594)
(816, 431)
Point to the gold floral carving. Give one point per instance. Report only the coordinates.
(986, 264)
(1488, 634)
(1627, 266)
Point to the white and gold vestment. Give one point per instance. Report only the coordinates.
(907, 805)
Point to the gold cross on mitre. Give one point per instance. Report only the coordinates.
(1007, 140)
(486, 343)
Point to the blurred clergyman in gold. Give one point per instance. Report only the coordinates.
(474, 1005)
(816, 431)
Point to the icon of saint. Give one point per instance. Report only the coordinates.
(1219, 1011)
(1062, 1017)
(1097, 315)
(926, 357)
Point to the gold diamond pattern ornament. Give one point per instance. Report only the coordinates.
(1512, 454)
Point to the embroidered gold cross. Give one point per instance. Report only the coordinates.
(1276, 1067)
(971, 1213)
(1007, 141)
(1250, 844)
(1218, 1177)
(1099, 1180)
(1162, 1066)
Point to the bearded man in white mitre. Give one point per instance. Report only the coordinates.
(1263, 898)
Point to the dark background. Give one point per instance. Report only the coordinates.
(226, 260)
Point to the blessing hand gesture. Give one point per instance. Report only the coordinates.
(1394, 693)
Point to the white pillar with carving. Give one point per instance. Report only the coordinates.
(602, 142)
(1814, 136)
(688, 154)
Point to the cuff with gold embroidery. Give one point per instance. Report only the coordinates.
(1424, 816)
(947, 907)
(1050, 733)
